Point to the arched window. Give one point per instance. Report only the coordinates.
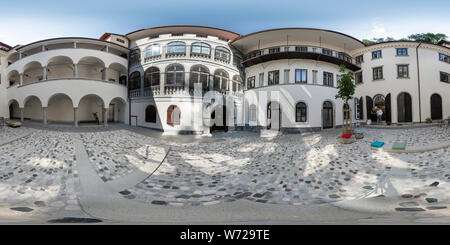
(237, 83)
(151, 77)
(222, 54)
(173, 115)
(200, 75)
(252, 113)
(152, 50)
(150, 114)
(300, 112)
(176, 47)
(200, 48)
(175, 75)
(135, 80)
(220, 80)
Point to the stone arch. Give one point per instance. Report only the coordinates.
(89, 105)
(32, 109)
(116, 110)
(60, 108)
(90, 67)
(14, 109)
(58, 67)
(115, 71)
(32, 72)
(13, 78)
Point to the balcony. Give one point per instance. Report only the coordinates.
(67, 43)
(300, 52)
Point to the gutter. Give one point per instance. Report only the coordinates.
(418, 82)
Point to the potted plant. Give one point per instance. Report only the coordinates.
(428, 120)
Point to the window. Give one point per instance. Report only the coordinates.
(402, 71)
(274, 50)
(135, 80)
(251, 82)
(444, 57)
(176, 47)
(286, 76)
(201, 35)
(377, 73)
(177, 34)
(237, 83)
(359, 59)
(222, 54)
(220, 80)
(327, 52)
(200, 75)
(445, 77)
(252, 113)
(358, 77)
(150, 114)
(120, 40)
(151, 77)
(175, 75)
(376, 54)
(300, 112)
(328, 79)
(261, 79)
(314, 72)
(201, 48)
(301, 76)
(153, 36)
(152, 50)
(402, 52)
(358, 107)
(301, 49)
(274, 77)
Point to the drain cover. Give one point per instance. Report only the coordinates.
(74, 220)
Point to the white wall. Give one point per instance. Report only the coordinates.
(429, 66)
(290, 93)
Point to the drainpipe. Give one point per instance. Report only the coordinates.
(418, 82)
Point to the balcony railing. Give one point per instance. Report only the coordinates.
(298, 51)
(175, 55)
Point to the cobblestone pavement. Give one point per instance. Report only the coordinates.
(290, 169)
(115, 154)
(8, 133)
(412, 136)
(37, 174)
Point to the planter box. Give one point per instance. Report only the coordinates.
(346, 140)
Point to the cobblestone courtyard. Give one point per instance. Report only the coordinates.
(38, 174)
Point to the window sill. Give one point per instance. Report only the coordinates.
(377, 58)
(401, 55)
(403, 78)
(380, 79)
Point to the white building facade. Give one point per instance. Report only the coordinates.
(196, 80)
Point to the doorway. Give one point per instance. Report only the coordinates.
(327, 115)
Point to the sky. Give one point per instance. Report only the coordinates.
(24, 21)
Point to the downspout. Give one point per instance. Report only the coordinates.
(418, 82)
